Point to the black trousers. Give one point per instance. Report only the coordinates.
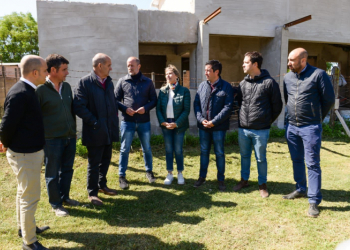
(99, 159)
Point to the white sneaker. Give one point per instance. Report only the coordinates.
(60, 211)
(169, 179)
(180, 179)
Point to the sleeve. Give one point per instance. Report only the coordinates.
(119, 96)
(14, 109)
(326, 91)
(226, 112)
(197, 107)
(152, 98)
(276, 101)
(80, 103)
(160, 116)
(285, 92)
(187, 108)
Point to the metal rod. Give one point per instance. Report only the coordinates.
(301, 20)
(212, 15)
(341, 119)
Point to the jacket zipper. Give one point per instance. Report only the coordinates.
(65, 112)
(295, 103)
(250, 99)
(313, 110)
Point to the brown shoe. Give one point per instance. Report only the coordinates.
(95, 201)
(242, 184)
(263, 190)
(108, 191)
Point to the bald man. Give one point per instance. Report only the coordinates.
(22, 135)
(136, 96)
(309, 96)
(94, 103)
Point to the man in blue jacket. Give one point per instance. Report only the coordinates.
(213, 106)
(94, 103)
(309, 96)
(136, 96)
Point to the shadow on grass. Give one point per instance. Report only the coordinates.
(282, 188)
(336, 209)
(153, 208)
(97, 241)
(335, 152)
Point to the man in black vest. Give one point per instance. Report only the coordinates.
(22, 135)
(94, 103)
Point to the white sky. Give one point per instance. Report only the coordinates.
(9, 6)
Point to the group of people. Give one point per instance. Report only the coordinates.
(39, 126)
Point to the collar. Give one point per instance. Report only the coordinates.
(303, 69)
(214, 82)
(100, 79)
(173, 86)
(59, 90)
(28, 82)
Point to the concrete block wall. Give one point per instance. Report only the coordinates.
(80, 30)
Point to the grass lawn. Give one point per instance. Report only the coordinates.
(181, 217)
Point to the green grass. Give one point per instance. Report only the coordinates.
(181, 217)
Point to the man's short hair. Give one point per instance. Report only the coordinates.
(215, 65)
(30, 63)
(55, 60)
(255, 57)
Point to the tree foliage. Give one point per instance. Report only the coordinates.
(18, 36)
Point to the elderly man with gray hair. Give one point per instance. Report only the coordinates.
(22, 135)
(94, 103)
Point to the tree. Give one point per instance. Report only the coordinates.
(18, 36)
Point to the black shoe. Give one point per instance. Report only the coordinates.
(150, 176)
(313, 210)
(295, 194)
(39, 230)
(35, 246)
(199, 182)
(222, 186)
(123, 183)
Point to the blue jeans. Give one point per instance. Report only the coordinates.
(127, 131)
(218, 138)
(173, 144)
(248, 140)
(59, 159)
(304, 143)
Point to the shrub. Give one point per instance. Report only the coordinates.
(231, 137)
(276, 132)
(81, 149)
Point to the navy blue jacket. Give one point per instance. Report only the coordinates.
(309, 96)
(130, 94)
(219, 102)
(98, 110)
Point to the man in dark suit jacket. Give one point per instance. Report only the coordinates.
(22, 135)
(94, 103)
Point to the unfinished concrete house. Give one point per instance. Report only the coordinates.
(177, 34)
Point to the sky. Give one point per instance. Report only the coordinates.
(9, 6)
